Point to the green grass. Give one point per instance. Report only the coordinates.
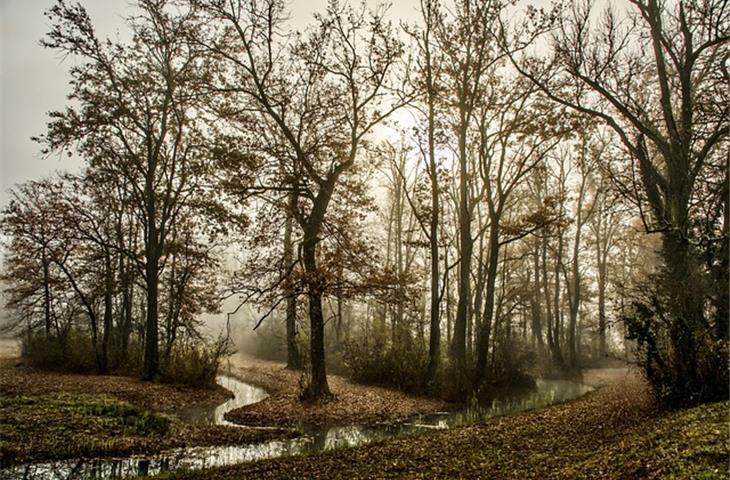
(64, 426)
(693, 443)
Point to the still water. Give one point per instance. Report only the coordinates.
(313, 440)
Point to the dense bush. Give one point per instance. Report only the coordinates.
(685, 362)
(72, 353)
(195, 364)
(376, 358)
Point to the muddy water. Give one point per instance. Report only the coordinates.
(314, 440)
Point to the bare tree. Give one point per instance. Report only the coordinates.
(133, 120)
(320, 93)
(512, 145)
(657, 80)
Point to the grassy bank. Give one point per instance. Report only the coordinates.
(49, 416)
(52, 415)
(612, 433)
(63, 425)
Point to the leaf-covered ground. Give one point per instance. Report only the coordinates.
(352, 403)
(612, 433)
(18, 379)
(46, 415)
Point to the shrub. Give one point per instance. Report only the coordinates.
(195, 365)
(374, 358)
(73, 353)
(663, 339)
(42, 352)
(513, 358)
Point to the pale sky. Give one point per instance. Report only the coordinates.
(34, 80)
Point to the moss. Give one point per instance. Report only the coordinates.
(59, 426)
(135, 420)
(62, 426)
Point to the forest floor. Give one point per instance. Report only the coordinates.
(51, 415)
(48, 416)
(352, 403)
(614, 432)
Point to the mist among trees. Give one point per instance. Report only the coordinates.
(449, 205)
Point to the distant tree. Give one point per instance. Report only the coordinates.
(604, 227)
(470, 51)
(511, 145)
(77, 243)
(658, 79)
(32, 278)
(190, 278)
(587, 151)
(87, 223)
(428, 87)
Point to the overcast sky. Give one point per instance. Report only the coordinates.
(33, 80)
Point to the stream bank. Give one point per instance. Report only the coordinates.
(353, 403)
(319, 438)
(614, 432)
(315, 438)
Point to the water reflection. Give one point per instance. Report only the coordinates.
(243, 394)
(314, 440)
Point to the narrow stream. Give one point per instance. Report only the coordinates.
(315, 439)
(243, 394)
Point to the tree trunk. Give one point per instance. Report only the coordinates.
(551, 320)
(483, 344)
(686, 303)
(170, 320)
(318, 387)
(536, 303)
(458, 349)
(400, 268)
(434, 344)
(574, 299)
(127, 289)
(474, 324)
(152, 273)
(293, 358)
(601, 307)
(46, 294)
(108, 300)
(127, 306)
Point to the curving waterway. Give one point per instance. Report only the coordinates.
(313, 440)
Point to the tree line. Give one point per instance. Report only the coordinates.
(501, 225)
